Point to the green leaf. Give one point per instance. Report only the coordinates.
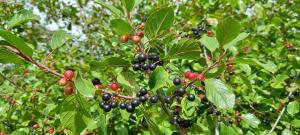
(211, 43)
(287, 132)
(185, 49)
(111, 61)
(126, 79)
(74, 115)
(121, 27)
(128, 4)
(19, 133)
(158, 79)
(226, 130)
(295, 123)
(84, 87)
(269, 66)
(16, 42)
(22, 17)
(154, 129)
(218, 94)
(159, 22)
(9, 57)
(227, 30)
(279, 81)
(240, 37)
(293, 108)
(113, 9)
(59, 38)
(251, 120)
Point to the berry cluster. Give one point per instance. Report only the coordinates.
(136, 38)
(67, 80)
(146, 62)
(198, 31)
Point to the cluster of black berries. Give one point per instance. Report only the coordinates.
(141, 63)
(180, 92)
(196, 32)
(184, 123)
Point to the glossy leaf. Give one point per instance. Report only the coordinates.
(22, 17)
(121, 27)
(126, 79)
(218, 93)
(293, 108)
(227, 30)
(9, 57)
(251, 120)
(185, 49)
(59, 38)
(158, 79)
(159, 22)
(84, 87)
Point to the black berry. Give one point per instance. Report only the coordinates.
(106, 107)
(153, 99)
(101, 104)
(168, 99)
(123, 105)
(142, 57)
(136, 67)
(106, 96)
(135, 102)
(227, 79)
(142, 98)
(180, 92)
(130, 108)
(191, 97)
(143, 91)
(176, 81)
(152, 66)
(179, 98)
(96, 81)
(145, 66)
(231, 73)
(114, 104)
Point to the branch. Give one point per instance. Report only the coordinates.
(216, 124)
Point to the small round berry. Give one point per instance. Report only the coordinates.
(69, 74)
(135, 102)
(114, 86)
(136, 38)
(230, 66)
(51, 130)
(191, 76)
(152, 66)
(145, 66)
(114, 104)
(153, 99)
(168, 99)
(187, 74)
(179, 99)
(227, 79)
(106, 107)
(191, 97)
(291, 97)
(230, 122)
(124, 38)
(210, 33)
(130, 108)
(136, 67)
(180, 91)
(96, 81)
(176, 81)
(231, 73)
(201, 77)
(36, 126)
(122, 105)
(141, 34)
(142, 57)
(69, 90)
(62, 81)
(286, 93)
(142, 99)
(101, 104)
(143, 91)
(106, 96)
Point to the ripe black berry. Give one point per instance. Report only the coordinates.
(230, 122)
(101, 104)
(152, 56)
(180, 91)
(142, 98)
(136, 67)
(106, 96)
(145, 66)
(122, 105)
(114, 104)
(143, 91)
(227, 79)
(191, 97)
(130, 108)
(152, 66)
(106, 107)
(291, 97)
(168, 99)
(176, 81)
(96, 81)
(142, 57)
(153, 99)
(135, 102)
(231, 73)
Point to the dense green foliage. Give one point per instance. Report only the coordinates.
(245, 56)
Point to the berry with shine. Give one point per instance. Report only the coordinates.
(62, 81)
(152, 66)
(69, 74)
(191, 97)
(142, 57)
(140, 34)
(96, 81)
(122, 105)
(106, 96)
(69, 90)
(142, 99)
(136, 39)
(180, 92)
(51, 130)
(136, 67)
(231, 73)
(153, 99)
(36, 126)
(201, 77)
(135, 102)
(124, 38)
(106, 107)
(145, 66)
(176, 81)
(143, 91)
(114, 104)
(168, 99)
(192, 76)
(114, 86)
(130, 108)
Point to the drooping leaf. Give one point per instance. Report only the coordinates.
(293, 108)
(121, 27)
(22, 17)
(251, 120)
(211, 43)
(113, 9)
(154, 129)
(9, 57)
(240, 37)
(16, 42)
(159, 22)
(84, 87)
(59, 38)
(269, 66)
(128, 4)
(19, 133)
(158, 79)
(227, 30)
(185, 49)
(126, 79)
(218, 93)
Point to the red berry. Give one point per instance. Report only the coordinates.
(114, 86)
(140, 34)
(191, 76)
(187, 74)
(51, 130)
(62, 81)
(2, 133)
(230, 66)
(69, 74)
(69, 90)
(136, 38)
(210, 33)
(201, 77)
(142, 26)
(124, 38)
(36, 126)
(98, 86)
